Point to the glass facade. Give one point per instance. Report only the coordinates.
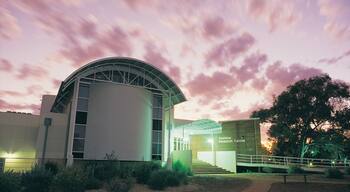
(80, 121)
(157, 115)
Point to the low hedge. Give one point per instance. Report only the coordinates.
(10, 181)
(38, 179)
(334, 173)
(295, 170)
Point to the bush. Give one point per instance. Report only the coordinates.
(10, 181)
(294, 170)
(125, 171)
(52, 167)
(70, 179)
(181, 168)
(267, 170)
(106, 170)
(347, 170)
(93, 183)
(143, 171)
(120, 185)
(38, 179)
(334, 173)
(172, 180)
(163, 178)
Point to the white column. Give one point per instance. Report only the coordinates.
(72, 124)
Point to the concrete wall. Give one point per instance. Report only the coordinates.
(18, 134)
(120, 120)
(242, 136)
(223, 159)
(56, 138)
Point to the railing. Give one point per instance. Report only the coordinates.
(287, 161)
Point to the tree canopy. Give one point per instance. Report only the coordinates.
(310, 118)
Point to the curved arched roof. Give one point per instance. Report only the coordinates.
(130, 71)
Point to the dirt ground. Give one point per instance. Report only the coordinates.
(204, 183)
(310, 187)
(255, 182)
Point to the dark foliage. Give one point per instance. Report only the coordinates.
(301, 113)
(38, 179)
(294, 170)
(10, 181)
(143, 171)
(52, 167)
(334, 173)
(120, 185)
(93, 183)
(70, 179)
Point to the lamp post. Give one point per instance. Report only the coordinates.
(211, 141)
(47, 123)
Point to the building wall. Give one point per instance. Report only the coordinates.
(57, 132)
(245, 136)
(119, 120)
(242, 136)
(18, 134)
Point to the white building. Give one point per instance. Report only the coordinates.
(119, 105)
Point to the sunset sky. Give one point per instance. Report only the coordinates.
(229, 57)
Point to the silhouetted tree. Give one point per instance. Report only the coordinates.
(311, 115)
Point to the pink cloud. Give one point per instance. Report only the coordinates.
(5, 65)
(281, 76)
(79, 54)
(251, 66)
(5, 106)
(259, 84)
(88, 28)
(138, 4)
(229, 50)
(117, 41)
(9, 28)
(276, 14)
(30, 71)
(11, 94)
(208, 87)
(154, 56)
(335, 60)
(216, 27)
(337, 15)
(56, 83)
(236, 113)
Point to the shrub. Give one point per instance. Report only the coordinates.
(143, 171)
(120, 185)
(181, 168)
(294, 170)
(93, 183)
(172, 180)
(10, 181)
(70, 179)
(38, 179)
(267, 170)
(163, 178)
(347, 170)
(334, 173)
(52, 167)
(125, 171)
(106, 170)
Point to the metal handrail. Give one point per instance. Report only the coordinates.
(287, 161)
